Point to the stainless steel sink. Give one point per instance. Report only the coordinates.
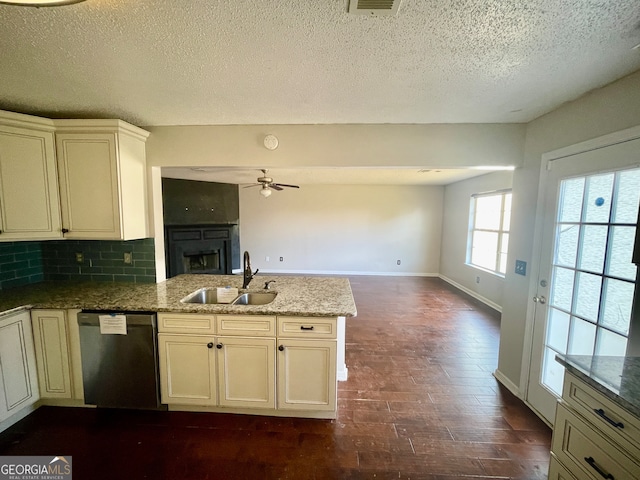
(255, 298)
(203, 295)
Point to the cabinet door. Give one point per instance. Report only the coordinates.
(89, 185)
(187, 369)
(246, 372)
(52, 353)
(306, 374)
(18, 380)
(29, 206)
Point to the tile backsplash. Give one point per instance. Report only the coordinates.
(22, 263)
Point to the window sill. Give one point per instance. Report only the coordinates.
(490, 272)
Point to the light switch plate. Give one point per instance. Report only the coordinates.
(521, 267)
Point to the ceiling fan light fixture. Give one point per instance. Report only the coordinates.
(265, 191)
(39, 3)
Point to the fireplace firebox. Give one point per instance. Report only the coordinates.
(200, 249)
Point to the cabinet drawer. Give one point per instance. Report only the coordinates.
(587, 452)
(189, 323)
(621, 426)
(247, 325)
(308, 327)
(557, 471)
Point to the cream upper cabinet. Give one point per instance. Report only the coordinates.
(18, 378)
(102, 174)
(29, 204)
(50, 336)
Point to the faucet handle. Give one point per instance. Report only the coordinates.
(267, 284)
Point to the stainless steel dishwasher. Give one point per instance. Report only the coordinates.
(119, 359)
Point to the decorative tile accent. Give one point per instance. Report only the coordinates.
(20, 264)
(102, 260)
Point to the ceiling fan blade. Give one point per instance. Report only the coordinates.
(285, 185)
(275, 186)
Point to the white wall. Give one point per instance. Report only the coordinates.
(609, 109)
(455, 228)
(351, 229)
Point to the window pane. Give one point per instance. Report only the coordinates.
(552, 372)
(593, 248)
(485, 249)
(558, 330)
(618, 299)
(567, 245)
(571, 200)
(620, 250)
(588, 295)
(562, 288)
(627, 196)
(598, 203)
(583, 337)
(610, 343)
(488, 211)
(506, 221)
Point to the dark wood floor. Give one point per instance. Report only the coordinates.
(420, 403)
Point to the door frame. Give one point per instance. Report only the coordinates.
(546, 159)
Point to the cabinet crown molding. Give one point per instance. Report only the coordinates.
(22, 120)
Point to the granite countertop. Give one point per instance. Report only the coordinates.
(618, 378)
(303, 296)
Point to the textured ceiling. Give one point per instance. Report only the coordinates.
(179, 62)
(327, 176)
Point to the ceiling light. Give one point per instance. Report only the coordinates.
(40, 3)
(265, 191)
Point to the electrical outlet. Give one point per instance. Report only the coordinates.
(128, 260)
(398, 262)
(521, 267)
(79, 257)
(282, 259)
(478, 279)
(266, 259)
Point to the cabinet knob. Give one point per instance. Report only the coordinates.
(281, 348)
(210, 344)
(219, 346)
(65, 230)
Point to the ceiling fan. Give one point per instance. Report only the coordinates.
(267, 184)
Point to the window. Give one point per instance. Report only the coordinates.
(489, 235)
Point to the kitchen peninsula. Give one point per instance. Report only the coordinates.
(281, 358)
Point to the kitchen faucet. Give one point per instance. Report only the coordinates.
(246, 267)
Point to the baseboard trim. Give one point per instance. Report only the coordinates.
(473, 294)
(508, 384)
(348, 272)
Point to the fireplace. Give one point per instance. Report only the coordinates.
(201, 249)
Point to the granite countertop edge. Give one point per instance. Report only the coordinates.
(297, 296)
(621, 389)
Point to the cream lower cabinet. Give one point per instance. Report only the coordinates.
(249, 362)
(593, 438)
(29, 204)
(18, 377)
(57, 347)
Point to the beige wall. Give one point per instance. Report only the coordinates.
(456, 145)
(455, 228)
(609, 109)
(344, 229)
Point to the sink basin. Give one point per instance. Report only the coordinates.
(255, 298)
(203, 295)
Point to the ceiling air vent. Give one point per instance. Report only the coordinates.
(374, 7)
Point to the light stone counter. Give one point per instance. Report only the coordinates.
(297, 296)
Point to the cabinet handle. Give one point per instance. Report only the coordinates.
(65, 230)
(210, 345)
(603, 415)
(219, 346)
(592, 464)
(302, 327)
(281, 348)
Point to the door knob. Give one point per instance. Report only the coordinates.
(541, 300)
